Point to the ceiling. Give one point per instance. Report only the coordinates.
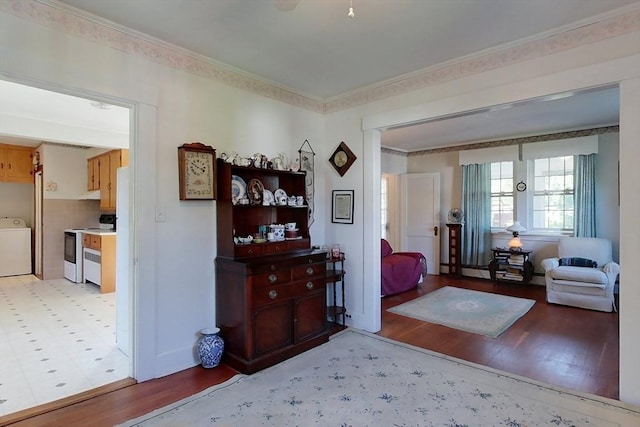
(312, 48)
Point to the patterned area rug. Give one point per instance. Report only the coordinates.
(472, 311)
(361, 379)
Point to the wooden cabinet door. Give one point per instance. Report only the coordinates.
(108, 165)
(310, 315)
(93, 174)
(3, 163)
(105, 186)
(272, 327)
(16, 164)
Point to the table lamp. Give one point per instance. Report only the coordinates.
(515, 244)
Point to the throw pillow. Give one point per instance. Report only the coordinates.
(578, 262)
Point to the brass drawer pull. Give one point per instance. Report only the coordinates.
(310, 271)
(273, 278)
(273, 294)
(309, 285)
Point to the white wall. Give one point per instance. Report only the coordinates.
(607, 190)
(174, 274)
(393, 163)
(629, 240)
(64, 171)
(16, 200)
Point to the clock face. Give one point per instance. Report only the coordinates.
(199, 175)
(340, 158)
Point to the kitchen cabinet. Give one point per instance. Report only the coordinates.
(105, 167)
(93, 174)
(270, 295)
(99, 260)
(16, 163)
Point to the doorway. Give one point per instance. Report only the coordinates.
(77, 292)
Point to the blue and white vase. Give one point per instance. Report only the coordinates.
(210, 347)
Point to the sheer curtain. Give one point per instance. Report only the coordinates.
(476, 205)
(584, 181)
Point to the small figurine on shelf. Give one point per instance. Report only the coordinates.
(335, 251)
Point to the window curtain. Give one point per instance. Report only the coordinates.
(476, 205)
(584, 181)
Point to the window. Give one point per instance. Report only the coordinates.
(546, 206)
(553, 193)
(502, 202)
(384, 221)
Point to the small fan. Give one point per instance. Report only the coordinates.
(456, 216)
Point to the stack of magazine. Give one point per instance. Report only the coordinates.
(515, 268)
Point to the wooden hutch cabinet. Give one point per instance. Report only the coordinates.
(270, 296)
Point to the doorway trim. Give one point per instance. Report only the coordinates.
(142, 122)
(622, 72)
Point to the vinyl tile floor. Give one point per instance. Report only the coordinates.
(57, 339)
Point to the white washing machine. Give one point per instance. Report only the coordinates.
(15, 247)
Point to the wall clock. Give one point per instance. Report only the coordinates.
(196, 171)
(342, 159)
(521, 186)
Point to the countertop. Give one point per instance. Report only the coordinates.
(99, 232)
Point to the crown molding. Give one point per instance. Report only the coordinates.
(512, 141)
(604, 28)
(67, 19)
(61, 17)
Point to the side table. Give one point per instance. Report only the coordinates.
(335, 277)
(511, 266)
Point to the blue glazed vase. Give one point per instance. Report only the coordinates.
(210, 347)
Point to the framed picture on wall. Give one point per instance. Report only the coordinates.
(342, 207)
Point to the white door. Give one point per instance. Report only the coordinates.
(420, 217)
(38, 224)
(123, 290)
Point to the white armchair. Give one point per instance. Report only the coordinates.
(577, 286)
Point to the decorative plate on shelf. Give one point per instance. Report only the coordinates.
(238, 189)
(456, 216)
(255, 191)
(267, 198)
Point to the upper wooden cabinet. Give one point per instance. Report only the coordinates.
(16, 163)
(102, 175)
(93, 174)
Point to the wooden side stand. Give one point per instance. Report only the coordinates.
(455, 249)
(335, 276)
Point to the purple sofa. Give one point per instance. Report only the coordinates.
(401, 271)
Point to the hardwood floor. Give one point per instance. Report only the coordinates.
(564, 346)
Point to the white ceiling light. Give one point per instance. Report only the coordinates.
(351, 14)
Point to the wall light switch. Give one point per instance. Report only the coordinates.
(160, 215)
